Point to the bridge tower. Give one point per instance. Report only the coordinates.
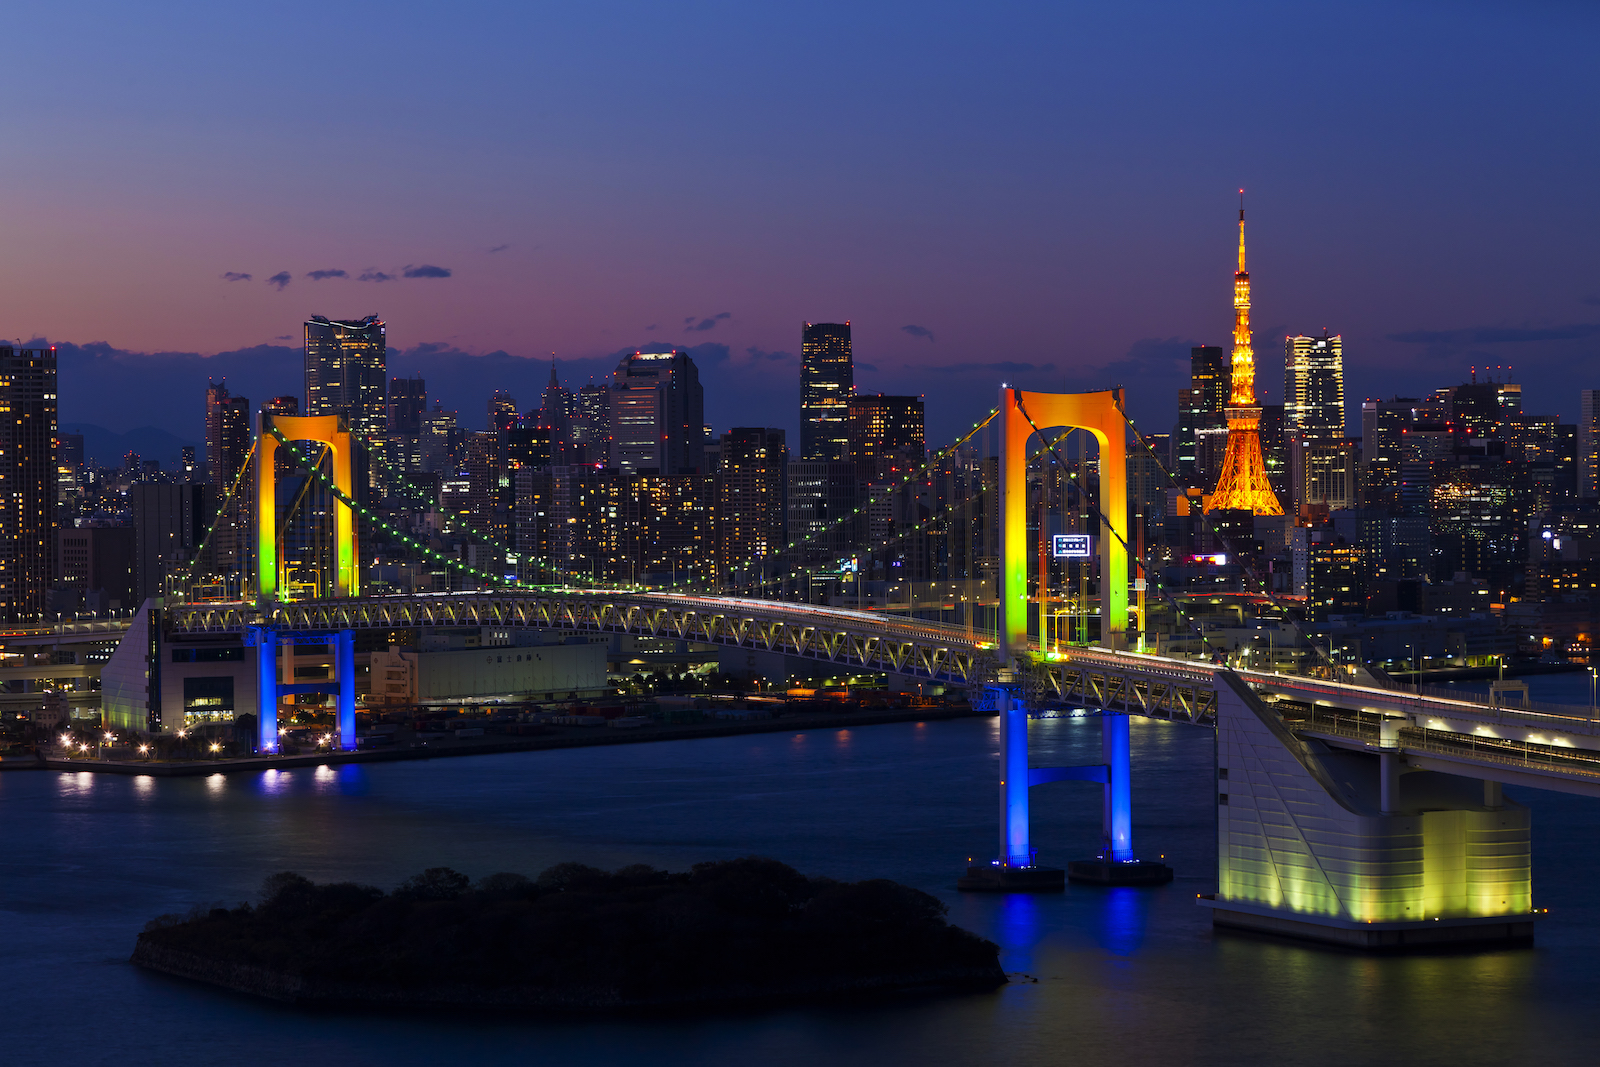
(332, 432)
(1022, 415)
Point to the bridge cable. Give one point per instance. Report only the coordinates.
(238, 479)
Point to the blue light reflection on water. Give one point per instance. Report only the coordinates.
(1124, 975)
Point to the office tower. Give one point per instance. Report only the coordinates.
(97, 567)
(1589, 443)
(593, 428)
(29, 481)
(1324, 474)
(1243, 485)
(408, 402)
(827, 382)
(441, 441)
(227, 435)
(1210, 382)
(1275, 450)
(502, 410)
(822, 497)
(169, 524)
(885, 435)
(559, 405)
(1384, 424)
(346, 372)
(1313, 387)
(657, 414)
(1183, 451)
(752, 463)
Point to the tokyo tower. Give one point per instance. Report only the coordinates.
(1243, 485)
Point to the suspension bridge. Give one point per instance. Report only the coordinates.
(1347, 810)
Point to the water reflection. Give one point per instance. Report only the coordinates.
(1122, 920)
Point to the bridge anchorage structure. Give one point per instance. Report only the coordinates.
(1016, 868)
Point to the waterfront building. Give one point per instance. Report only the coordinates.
(827, 382)
(1383, 429)
(1324, 474)
(592, 430)
(346, 372)
(1313, 387)
(1243, 484)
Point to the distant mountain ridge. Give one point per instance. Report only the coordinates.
(105, 448)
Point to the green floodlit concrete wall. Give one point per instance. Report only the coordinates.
(1298, 835)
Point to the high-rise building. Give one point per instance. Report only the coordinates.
(885, 434)
(751, 468)
(1589, 443)
(1313, 387)
(1243, 485)
(657, 414)
(822, 497)
(408, 402)
(827, 382)
(1383, 430)
(169, 524)
(1324, 473)
(1210, 383)
(346, 372)
(227, 435)
(502, 410)
(29, 481)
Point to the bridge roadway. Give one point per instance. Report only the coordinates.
(858, 640)
(1541, 748)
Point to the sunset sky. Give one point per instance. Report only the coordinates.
(1036, 193)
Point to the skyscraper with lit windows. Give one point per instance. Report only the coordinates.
(345, 372)
(28, 481)
(827, 382)
(1313, 387)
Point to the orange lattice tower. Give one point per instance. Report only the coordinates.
(1243, 485)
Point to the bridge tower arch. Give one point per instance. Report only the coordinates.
(1021, 415)
(328, 430)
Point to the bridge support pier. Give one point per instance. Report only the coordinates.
(270, 688)
(1116, 864)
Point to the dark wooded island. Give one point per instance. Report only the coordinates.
(577, 939)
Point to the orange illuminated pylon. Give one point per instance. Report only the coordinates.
(1243, 485)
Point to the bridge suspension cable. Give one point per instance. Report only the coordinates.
(392, 531)
(884, 492)
(228, 498)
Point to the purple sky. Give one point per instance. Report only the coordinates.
(1045, 192)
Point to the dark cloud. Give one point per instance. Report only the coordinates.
(426, 270)
(319, 275)
(1153, 358)
(1591, 300)
(1002, 367)
(705, 324)
(1494, 335)
(918, 331)
(651, 326)
(235, 276)
(280, 279)
(499, 248)
(775, 357)
(375, 276)
(284, 337)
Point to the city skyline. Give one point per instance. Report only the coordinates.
(1431, 209)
